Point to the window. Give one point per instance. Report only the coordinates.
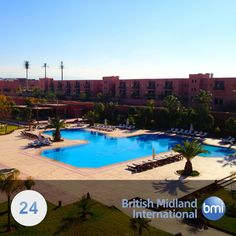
(135, 94)
(122, 93)
(168, 85)
(219, 85)
(151, 85)
(167, 93)
(218, 101)
(122, 85)
(136, 85)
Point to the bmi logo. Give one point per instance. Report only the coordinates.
(213, 208)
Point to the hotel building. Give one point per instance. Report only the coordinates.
(133, 91)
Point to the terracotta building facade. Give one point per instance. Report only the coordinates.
(133, 91)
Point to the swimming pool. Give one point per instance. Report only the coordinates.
(102, 150)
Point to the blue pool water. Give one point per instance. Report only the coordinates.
(102, 150)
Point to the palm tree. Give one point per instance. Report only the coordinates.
(189, 150)
(62, 70)
(85, 205)
(172, 103)
(45, 66)
(140, 224)
(149, 113)
(174, 108)
(204, 98)
(9, 184)
(29, 183)
(57, 124)
(26, 65)
(91, 116)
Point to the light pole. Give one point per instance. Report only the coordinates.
(62, 70)
(45, 66)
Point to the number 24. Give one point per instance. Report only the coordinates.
(33, 208)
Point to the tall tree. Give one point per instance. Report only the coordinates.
(6, 106)
(29, 183)
(172, 103)
(174, 108)
(9, 184)
(204, 99)
(140, 224)
(45, 66)
(230, 126)
(189, 150)
(62, 70)
(84, 206)
(57, 124)
(27, 65)
(91, 116)
(110, 111)
(204, 120)
(99, 109)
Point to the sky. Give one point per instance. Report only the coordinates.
(128, 38)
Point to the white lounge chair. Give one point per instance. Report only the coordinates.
(232, 141)
(170, 130)
(186, 132)
(204, 135)
(226, 140)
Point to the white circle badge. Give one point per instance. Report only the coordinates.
(29, 208)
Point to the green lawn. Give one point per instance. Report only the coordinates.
(105, 221)
(8, 129)
(227, 223)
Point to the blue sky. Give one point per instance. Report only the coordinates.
(129, 38)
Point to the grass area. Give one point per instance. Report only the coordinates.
(105, 221)
(227, 222)
(7, 129)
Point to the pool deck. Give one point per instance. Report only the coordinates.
(28, 160)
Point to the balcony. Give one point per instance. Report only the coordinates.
(122, 95)
(77, 85)
(219, 85)
(87, 85)
(168, 85)
(77, 90)
(151, 87)
(136, 85)
(122, 85)
(135, 95)
(59, 87)
(219, 88)
(150, 95)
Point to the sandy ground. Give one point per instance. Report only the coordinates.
(13, 154)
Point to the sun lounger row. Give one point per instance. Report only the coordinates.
(188, 132)
(124, 126)
(41, 126)
(29, 135)
(229, 140)
(37, 143)
(108, 128)
(150, 164)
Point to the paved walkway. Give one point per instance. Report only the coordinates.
(30, 163)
